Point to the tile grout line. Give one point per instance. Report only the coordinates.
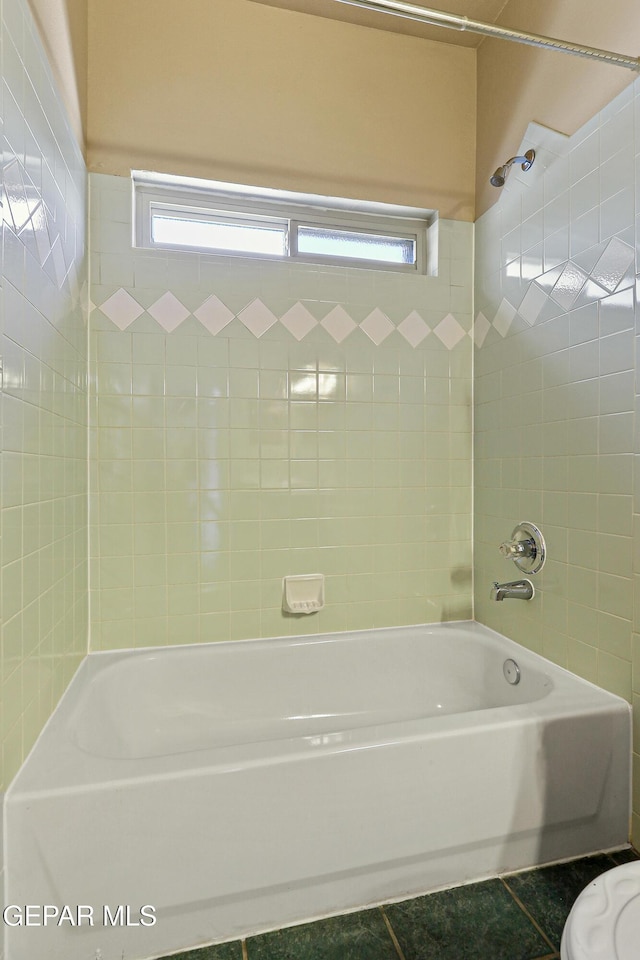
(392, 934)
(527, 914)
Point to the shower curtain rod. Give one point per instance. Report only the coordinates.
(439, 18)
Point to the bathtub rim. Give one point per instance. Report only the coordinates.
(594, 700)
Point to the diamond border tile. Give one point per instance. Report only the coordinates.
(168, 311)
(377, 326)
(213, 314)
(449, 331)
(532, 304)
(413, 328)
(504, 317)
(257, 317)
(480, 329)
(569, 285)
(298, 321)
(338, 323)
(613, 264)
(121, 308)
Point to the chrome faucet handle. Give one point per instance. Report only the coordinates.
(514, 549)
(526, 548)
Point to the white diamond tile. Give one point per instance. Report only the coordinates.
(121, 309)
(43, 243)
(57, 258)
(480, 329)
(338, 324)
(168, 311)
(298, 321)
(504, 317)
(613, 264)
(15, 194)
(568, 286)
(590, 292)
(548, 279)
(377, 326)
(214, 314)
(589, 256)
(449, 331)
(532, 304)
(257, 317)
(413, 328)
(628, 279)
(27, 237)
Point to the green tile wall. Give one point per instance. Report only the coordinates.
(556, 385)
(221, 463)
(43, 517)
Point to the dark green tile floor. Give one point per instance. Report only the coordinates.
(519, 916)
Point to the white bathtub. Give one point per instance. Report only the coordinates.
(237, 787)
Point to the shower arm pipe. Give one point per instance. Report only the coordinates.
(439, 18)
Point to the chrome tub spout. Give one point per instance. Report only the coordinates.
(514, 590)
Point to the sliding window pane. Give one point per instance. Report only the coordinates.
(354, 245)
(220, 236)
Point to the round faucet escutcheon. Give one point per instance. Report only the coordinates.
(526, 548)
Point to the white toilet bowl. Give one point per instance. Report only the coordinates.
(604, 923)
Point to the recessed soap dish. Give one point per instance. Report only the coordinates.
(303, 594)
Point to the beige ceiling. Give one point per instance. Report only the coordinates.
(483, 10)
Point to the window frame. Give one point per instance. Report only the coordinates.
(174, 196)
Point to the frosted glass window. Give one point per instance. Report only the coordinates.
(355, 245)
(219, 235)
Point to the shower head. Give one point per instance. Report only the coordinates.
(499, 177)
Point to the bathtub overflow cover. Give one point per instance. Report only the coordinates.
(511, 671)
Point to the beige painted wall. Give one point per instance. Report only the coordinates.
(241, 91)
(63, 29)
(518, 84)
